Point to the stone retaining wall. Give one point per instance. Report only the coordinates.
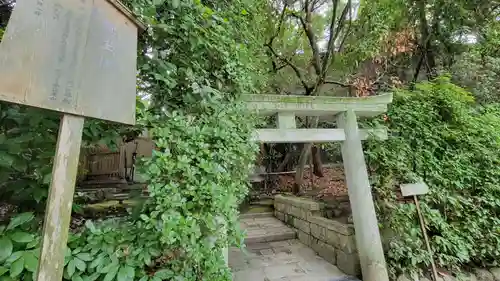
(332, 240)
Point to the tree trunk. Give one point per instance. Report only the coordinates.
(299, 175)
(316, 160)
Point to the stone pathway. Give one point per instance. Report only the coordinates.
(265, 228)
(273, 254)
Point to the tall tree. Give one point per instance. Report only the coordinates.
(305, 38)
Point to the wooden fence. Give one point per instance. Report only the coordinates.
(102, 163)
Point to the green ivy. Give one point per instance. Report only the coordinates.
(202, 56)
(437, 134)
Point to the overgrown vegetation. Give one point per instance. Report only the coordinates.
(438, 135)
(196, 60)
(198, 57)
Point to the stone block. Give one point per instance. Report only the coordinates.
(318, 232)
(299, 213)
(469, 277)
(403, 278)
(304, 237)
(483, 275)
(279, 207)
(343, 242)
(334, 225)
(446, 277)
(348, 263)
(496, 273)
(324, 250)
(279, 215)
(302, 203)
(302, 225)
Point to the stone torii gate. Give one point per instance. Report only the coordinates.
(346, 110)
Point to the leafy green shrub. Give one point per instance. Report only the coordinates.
(202, 56)
(19, 249)
(438, 135)
(479, 74)
(27, 145)
(111, 250)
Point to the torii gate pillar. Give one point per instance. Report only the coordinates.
(371, 253)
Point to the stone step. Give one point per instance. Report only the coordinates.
(265, 228)
(256, 215)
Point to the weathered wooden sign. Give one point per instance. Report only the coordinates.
(77, 57)
(73, 56)
(412, 189)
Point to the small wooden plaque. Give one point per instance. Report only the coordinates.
(72, 56)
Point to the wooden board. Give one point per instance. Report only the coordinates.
(74, 56)
(411, 189)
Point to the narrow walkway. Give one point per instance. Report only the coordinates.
(273, 254)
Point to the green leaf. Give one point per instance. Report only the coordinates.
(130, 272)
(28, 276)
(33, 243)
(47, 178)
(76, 278)
(96, 262)
(122, 274)
(20, 219)
(3, 270)
(5, 248)
(17, 267)
(175, 4)
(147, 258)
(6, 278)
(6, 159)
(71, 268)
(21, 237)
(30, 261)
(244, 12)
(81, 265)
(164, 274)
(144, 278)
(92, 277)
(84, 256)
(90, 225)
(158, 2)
(112, 273)
(14, 257)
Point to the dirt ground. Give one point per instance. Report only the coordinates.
(331, 185)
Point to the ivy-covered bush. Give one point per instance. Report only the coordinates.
(438, 135)
(201, 57)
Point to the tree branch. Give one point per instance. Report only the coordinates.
(334, 35)
(280, 23)
(293, 66)
(307, 26)
(338, 83)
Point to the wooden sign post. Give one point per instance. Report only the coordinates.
(415, 189)
(77, 57)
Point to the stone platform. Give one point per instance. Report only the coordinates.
(265, 228)
(273, 254)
